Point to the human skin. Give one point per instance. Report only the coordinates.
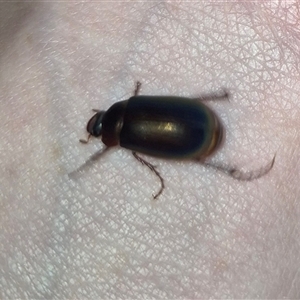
(100, 234)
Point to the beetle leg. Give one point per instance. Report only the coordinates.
(214, 96)
(85, 141)
(96, 110)
(137, 88)
(153, 169)
(243, 176)
(89, 162)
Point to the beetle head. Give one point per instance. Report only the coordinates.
(94, 126)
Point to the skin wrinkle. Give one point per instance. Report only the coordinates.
(208, 236)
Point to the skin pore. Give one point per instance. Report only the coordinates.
(101, 235)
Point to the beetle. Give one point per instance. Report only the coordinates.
(166, 127)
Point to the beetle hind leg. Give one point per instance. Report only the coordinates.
(154, 170)
(243, 176)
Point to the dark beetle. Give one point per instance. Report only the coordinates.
(165, 127)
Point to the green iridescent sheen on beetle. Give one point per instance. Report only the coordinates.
(166, 127)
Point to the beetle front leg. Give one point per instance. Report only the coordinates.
(89, 162)
(153, 169)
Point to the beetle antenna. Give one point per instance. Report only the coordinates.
(243, 176)
(153, 169)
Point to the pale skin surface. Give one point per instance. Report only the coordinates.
(101, 235)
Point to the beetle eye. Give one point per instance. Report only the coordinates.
(94, 126)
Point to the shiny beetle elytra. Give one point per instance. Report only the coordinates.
(165, 127)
